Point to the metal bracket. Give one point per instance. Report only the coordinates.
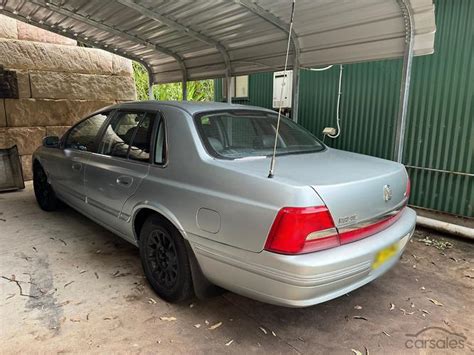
(407, 13)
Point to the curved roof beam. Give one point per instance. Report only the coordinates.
(116, 32)
(180, 28)
(272, 19)
(79, 37)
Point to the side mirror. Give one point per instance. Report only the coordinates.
(51, 142)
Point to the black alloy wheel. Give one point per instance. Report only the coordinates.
(165, 260)
(162, 257)
(44, 193)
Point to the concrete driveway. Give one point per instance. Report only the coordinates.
(69, 285)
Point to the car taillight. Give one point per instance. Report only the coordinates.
(299, 230)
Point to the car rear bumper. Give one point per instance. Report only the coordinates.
(302, 280)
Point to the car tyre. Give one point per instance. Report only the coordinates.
(165, 260)
(44, 192)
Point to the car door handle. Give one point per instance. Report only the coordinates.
(125, 180)
(76, 166)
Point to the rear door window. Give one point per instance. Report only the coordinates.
(128, 136)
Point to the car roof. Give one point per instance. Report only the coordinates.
(192, 107)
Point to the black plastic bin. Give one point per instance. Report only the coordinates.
(11, 173)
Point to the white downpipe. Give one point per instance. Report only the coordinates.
(445, 227)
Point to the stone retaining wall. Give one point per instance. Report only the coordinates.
(58, 84)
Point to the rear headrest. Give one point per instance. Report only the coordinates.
(216, 144)
(263, 142)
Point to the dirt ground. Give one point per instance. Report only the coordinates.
(83, 290)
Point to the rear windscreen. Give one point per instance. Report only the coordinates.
(234, 135)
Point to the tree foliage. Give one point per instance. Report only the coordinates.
(202, 90)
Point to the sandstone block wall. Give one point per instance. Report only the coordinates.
(58, 84)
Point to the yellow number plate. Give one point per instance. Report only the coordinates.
(384, 255)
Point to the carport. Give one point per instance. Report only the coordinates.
(70, 285)
(184, 40)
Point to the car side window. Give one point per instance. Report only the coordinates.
(128, 136)
(83, 135)
(160, 146)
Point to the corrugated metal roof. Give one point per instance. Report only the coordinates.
(201, 39)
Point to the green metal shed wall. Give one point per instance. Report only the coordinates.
(440, 129)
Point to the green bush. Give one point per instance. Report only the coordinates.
(202, 90)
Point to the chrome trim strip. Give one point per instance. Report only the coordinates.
(373, 220)
(124, 217)
(71, 192)
(102, 207)
(322, 234)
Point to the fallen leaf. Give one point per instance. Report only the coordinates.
(357, 307)
(406, 313)
(229, 342)
(168, 319)
(356, 352)
(151, 300)
(273, 333)
(207, 322)
(392, 306)
(422, 288)
(67, 284)
(263, 330)
(425, 311)
(215, 326)
(438, 303)
(366, 350)
(197, 325)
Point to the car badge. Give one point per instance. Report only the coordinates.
(387, 193)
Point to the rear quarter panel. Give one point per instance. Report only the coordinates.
(245, 204)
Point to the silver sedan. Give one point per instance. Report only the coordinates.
(188, 184)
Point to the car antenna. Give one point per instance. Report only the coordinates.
(272, 163)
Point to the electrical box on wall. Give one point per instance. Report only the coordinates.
(287, 89)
